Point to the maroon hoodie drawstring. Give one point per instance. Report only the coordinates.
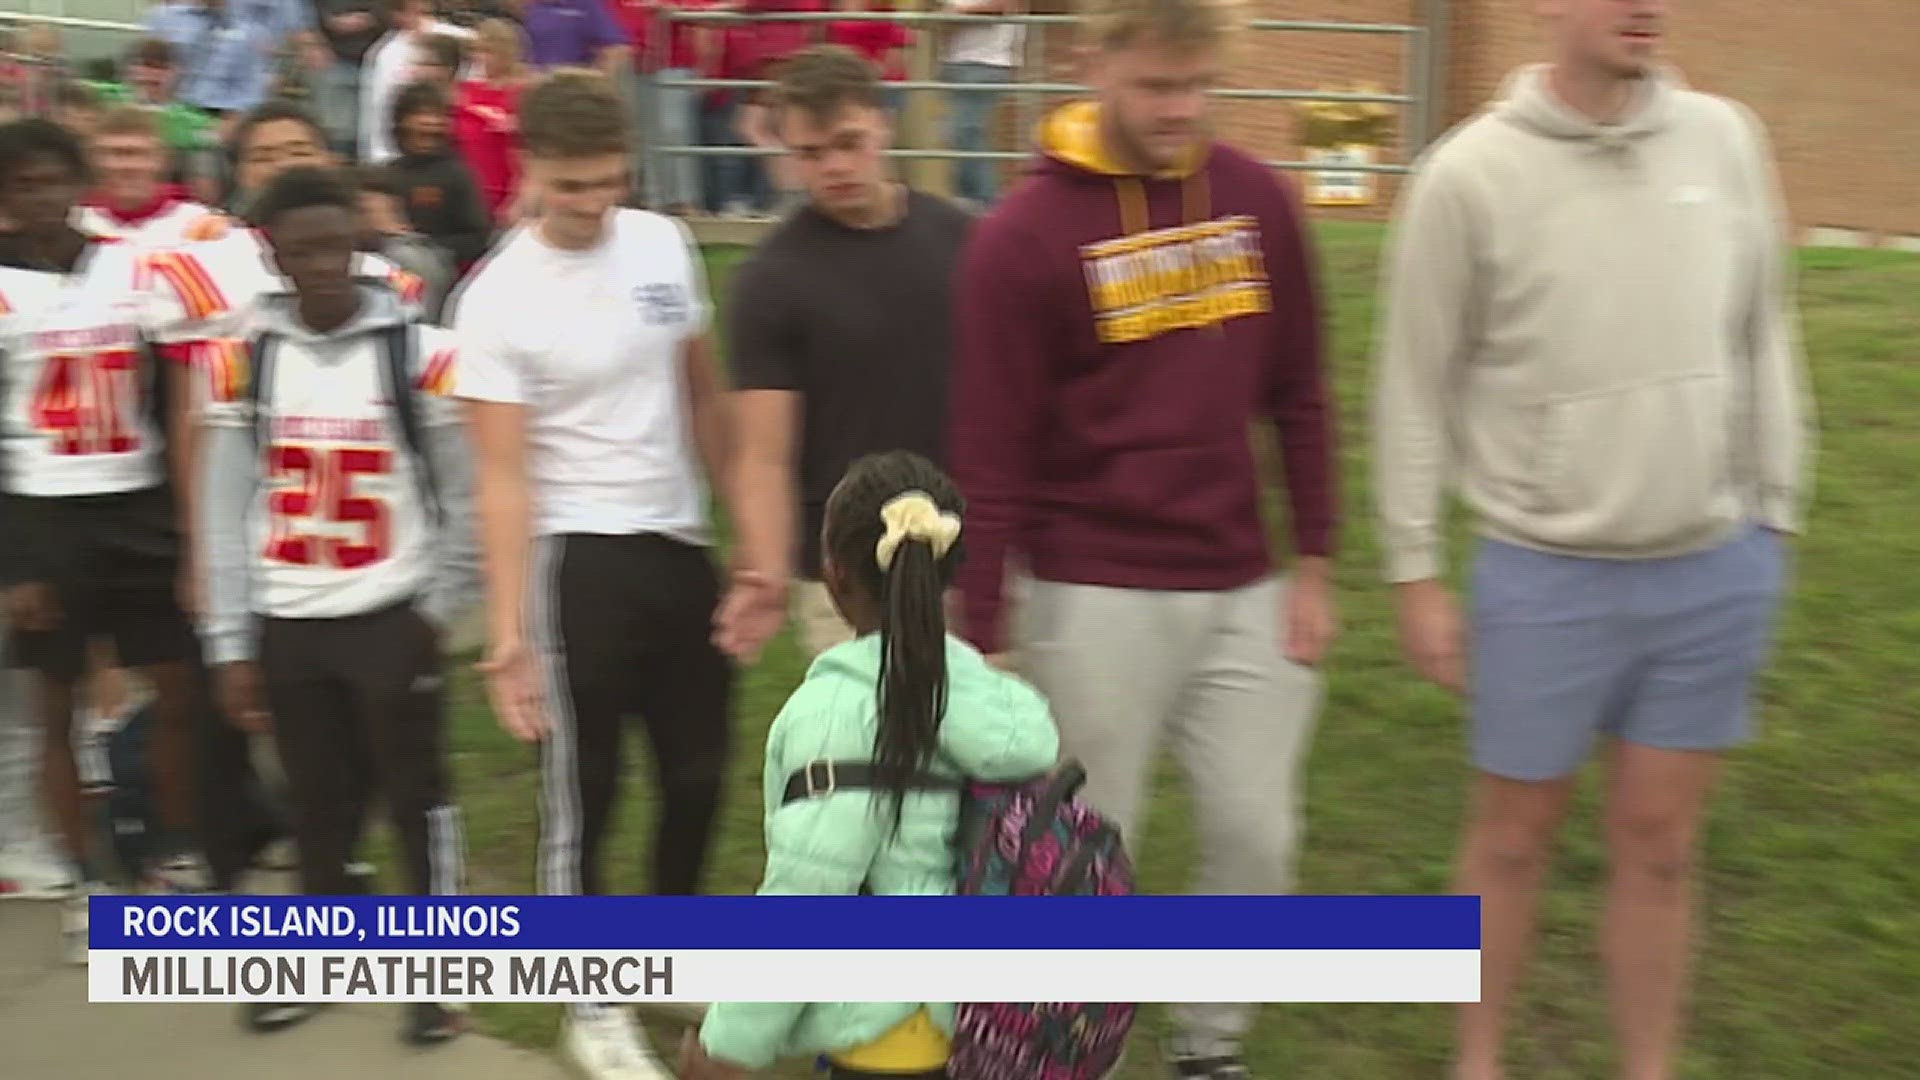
(1196, 201)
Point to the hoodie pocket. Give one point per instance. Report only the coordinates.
(1634, 465)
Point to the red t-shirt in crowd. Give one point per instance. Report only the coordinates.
(775, 41)
(486, 127)
(683, 50)
(879, 42)
(638, 18)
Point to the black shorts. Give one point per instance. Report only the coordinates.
(114, 564)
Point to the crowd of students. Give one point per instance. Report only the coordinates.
(348, 60)
(260, 464)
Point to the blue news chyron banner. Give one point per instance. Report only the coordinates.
(668, 923)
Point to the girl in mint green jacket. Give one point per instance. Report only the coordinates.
(909, 697)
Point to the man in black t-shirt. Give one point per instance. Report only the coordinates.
(839, 342)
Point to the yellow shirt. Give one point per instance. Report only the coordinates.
(914, 1045)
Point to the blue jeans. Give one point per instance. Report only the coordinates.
(970, 126)
(675, 179)
(730, 179)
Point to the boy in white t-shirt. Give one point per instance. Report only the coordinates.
(597, 419)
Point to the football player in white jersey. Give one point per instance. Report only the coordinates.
(133, 201)
(229, 268)
(334, 522)
(89, 529)
(224, 275)
(597, 420)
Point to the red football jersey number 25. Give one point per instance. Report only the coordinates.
(84, 402)
(325, 493)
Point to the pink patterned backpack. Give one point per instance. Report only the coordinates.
(1038, 838)
(1029, 838)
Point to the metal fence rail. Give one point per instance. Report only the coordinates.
(69, 22)
(1411, 103)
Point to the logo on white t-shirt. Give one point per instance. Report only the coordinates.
(662, 303)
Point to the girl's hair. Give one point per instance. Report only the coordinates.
(911, 691)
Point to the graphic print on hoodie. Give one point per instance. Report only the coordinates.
(1118, 333)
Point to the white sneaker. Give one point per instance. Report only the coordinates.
(73, 922)
(180, 875)
(605, 1044)
(28, 871)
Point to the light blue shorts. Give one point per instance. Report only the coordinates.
(1658, 652)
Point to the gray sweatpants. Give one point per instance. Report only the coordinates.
(1126, 668)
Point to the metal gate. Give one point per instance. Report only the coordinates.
(1422, 44)
(1418, 79)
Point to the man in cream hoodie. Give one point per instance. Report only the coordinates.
(1588, 333)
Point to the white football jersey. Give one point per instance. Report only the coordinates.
(82, 410)
(224, 281)
(158, 231)
(342, 520)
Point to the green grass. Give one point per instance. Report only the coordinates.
(1810, 941)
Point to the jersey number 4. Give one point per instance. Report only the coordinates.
(84, 402)
(325, 493)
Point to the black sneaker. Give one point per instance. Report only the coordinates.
(429, 1023)
(266, 1016)
(1221, 1066)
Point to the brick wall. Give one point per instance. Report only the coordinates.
(1837, 83)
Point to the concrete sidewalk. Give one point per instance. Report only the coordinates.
(48, 1031)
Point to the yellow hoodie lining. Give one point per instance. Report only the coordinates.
(1072, 134)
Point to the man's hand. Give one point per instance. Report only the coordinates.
(696, 1065)
(242, 697)
(33, 606)
(1310, 619)
(754, 610)
(513, 686)
(1431, 634)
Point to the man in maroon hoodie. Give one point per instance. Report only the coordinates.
(1125, 317)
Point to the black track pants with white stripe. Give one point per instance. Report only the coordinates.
(623, 627)
(359, 694)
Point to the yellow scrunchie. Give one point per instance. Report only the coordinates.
(913, 515)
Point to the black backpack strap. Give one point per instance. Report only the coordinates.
(260, 356)
(825, 777)
(397, 348)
